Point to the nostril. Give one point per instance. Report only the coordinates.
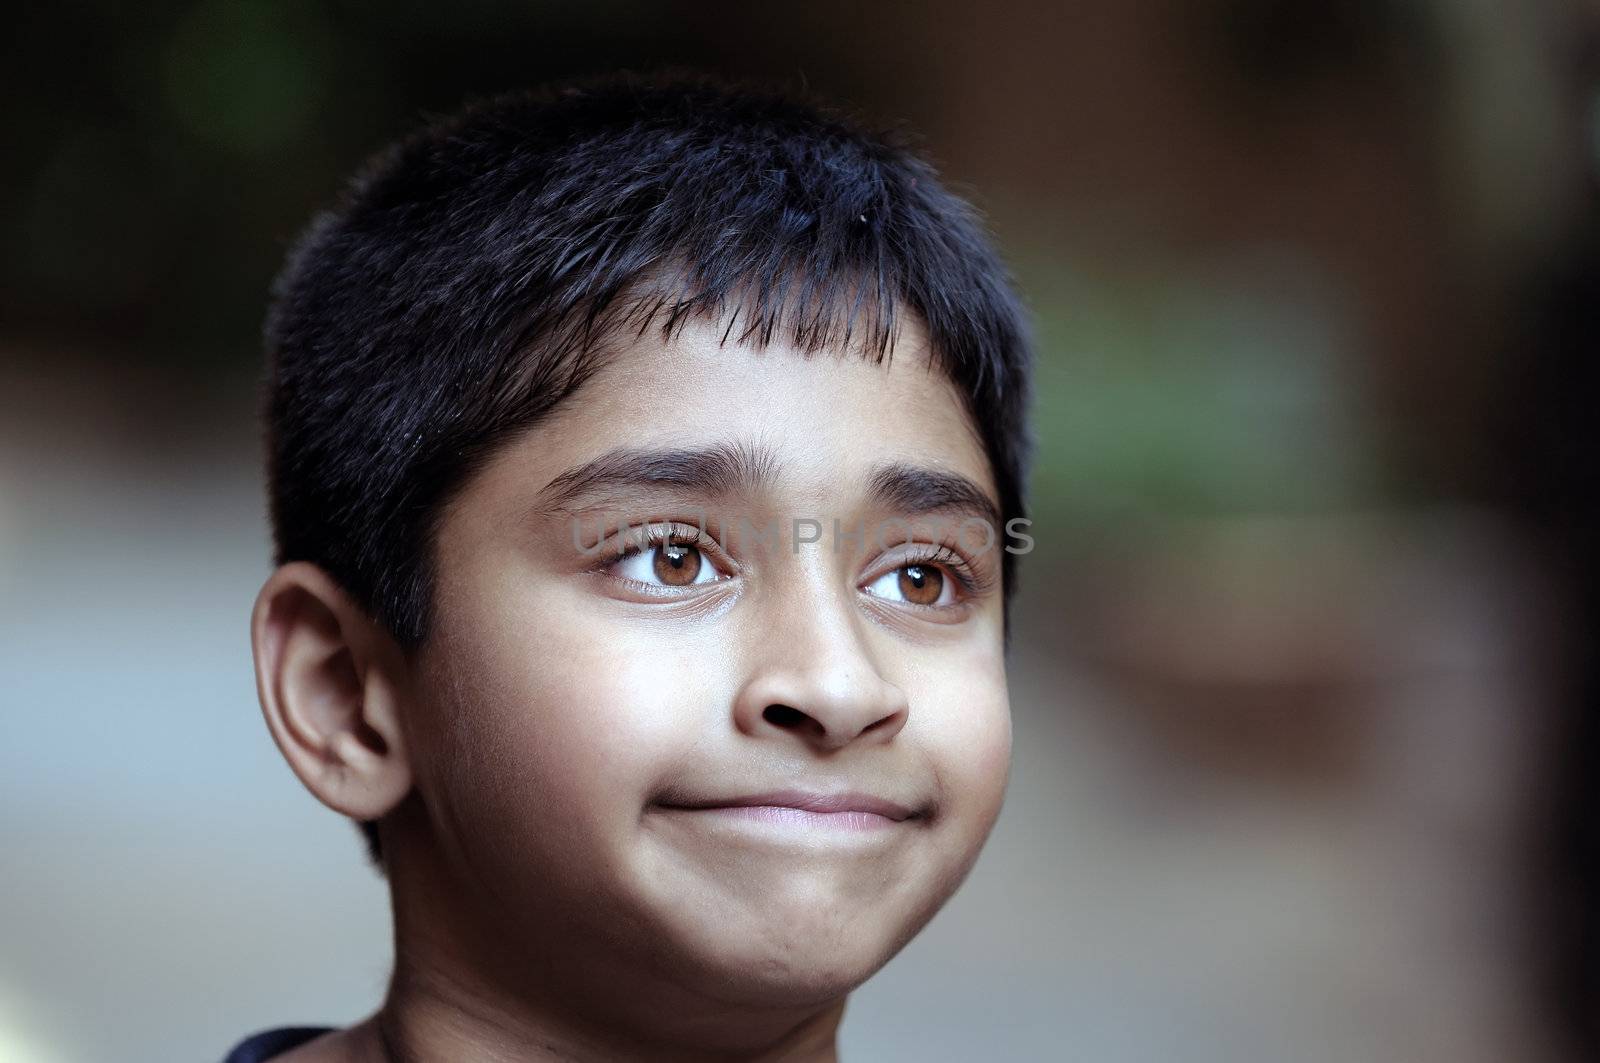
(878, 725)
(783, 715)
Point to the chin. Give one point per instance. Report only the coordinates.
(796, 961)
(789, 981)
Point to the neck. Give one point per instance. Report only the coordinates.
(465, 990)
(427, 1021)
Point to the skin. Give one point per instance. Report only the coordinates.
(550, 901)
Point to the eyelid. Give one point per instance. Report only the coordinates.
(647, 535)
(971, 579)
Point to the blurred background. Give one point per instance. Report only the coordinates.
(1305, 679)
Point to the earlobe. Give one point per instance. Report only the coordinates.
(331, 689)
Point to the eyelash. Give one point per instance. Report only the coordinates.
(970, 581)
(962, 570)
(657, 534)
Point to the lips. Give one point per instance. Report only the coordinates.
(804, 801)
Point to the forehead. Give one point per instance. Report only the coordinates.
(826, 418)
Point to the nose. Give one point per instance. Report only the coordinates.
(813, 680)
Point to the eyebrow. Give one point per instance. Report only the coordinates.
(917, 490)
(718, 470)
(732, 468)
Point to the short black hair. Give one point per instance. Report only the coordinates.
(472, 273)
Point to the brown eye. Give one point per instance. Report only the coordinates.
(921, 584)
(677, 564)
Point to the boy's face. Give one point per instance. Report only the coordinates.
(573, 715)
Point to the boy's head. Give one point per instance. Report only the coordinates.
(778, 340)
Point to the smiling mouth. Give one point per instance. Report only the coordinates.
(794, 808)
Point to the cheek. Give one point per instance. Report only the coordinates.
(965, 719)
(560, 722)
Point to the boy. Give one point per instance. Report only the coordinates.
(638, 463)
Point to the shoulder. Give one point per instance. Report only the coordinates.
(273, 1044)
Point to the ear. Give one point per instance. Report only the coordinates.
(331, 683)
